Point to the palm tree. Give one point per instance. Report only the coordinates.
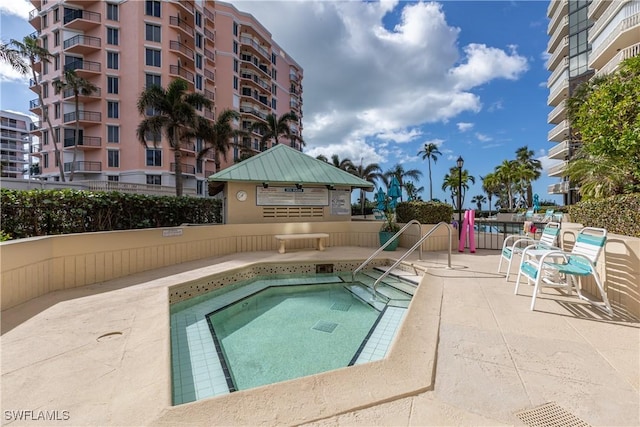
(217, 136)
(430, 152)
(598, 176)
(401, 175)
(13, 58)
(524, 156)
(523, 176)
(505, 173)
(369, 173)
(174, 115)
(491, 185)
(344, 164)
(29, 48)
(276, 127)
(479, 200)
(454, 180)
(79, 86)
(413, 191)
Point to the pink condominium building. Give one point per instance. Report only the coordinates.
(123, 46)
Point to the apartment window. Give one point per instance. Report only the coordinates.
(112, 84)
(113, 158)
(152, 33)
(154, 179)
(235, 47)
(235, 82)
(199, 187)
(154, 157)
(198, 81)
(56, 62)
(153, 137)
(151, 80)
(198, 19)
(45, 42)
(113, 109)
(199, 165)
(45, 67)
(152, 8)
(235, 28)
(198, 61)
(56, 110)
(235, 65)
(113, 134)
(56, 38)
(45, 21)
(112, 36)
(56, 15)
(199, 144)
(45, 160)
(45, 137)
(152, 57)
(113, 178)
(199, 40)
(56, 132)
(274, 74)
(274, 104)
(112, 12)
(45, 89)
(273, 58)
(113, 60)
(274, 89)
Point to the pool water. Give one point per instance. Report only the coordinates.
(268, 330)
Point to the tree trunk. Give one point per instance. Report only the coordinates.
(77, 137)
(177, 156)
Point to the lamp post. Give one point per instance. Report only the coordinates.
(460, 164)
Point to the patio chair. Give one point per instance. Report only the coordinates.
(378, 214)
(564, 270)
(548, 216)
(515, 244)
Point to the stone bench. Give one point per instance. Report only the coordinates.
(282, 238)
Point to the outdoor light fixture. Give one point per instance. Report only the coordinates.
(265, 185)
(299, 186)
(460, 164)
(331, 187)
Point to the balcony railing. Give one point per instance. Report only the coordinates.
(559, 151)
(129, 187)
(180, 47)
(83, 166)
(86, 116)
(559, 112)
(626, 24)
(209, 54)
(83, 65)
(82, 40)
(68, 93)
(209, 95)
(559, 188)
(249, 41)
(209, 75)
(179, 71)
(85, 141)
(34, 103)
(177, 22)
(184, 168)
(253, 111)
(561, 51)
(553, 20)
(560, 132)
(613, 64)
(84, 15)
(209, 14)
(558, 169)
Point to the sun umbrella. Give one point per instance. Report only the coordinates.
(380, 199)
(394, 192)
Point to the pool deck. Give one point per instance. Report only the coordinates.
(101, 354)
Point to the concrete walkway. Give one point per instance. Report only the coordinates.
(494, 356)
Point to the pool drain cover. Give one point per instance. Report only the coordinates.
(550, 415)
(323, 326)
(341, 306)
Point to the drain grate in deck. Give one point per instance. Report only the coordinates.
(550, 415)
(341, 306)
(323, 326)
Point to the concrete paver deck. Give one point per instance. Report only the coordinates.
(494, 356)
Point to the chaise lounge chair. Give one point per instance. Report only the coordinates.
(515, 244)
(560, 269)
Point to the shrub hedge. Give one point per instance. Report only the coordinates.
(44, 212)
(424, 212)
(618, 214)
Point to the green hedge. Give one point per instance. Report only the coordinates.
(424, 212)
(44, 212)
(617, 214)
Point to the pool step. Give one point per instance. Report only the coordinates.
(401, 274)
(366, 294)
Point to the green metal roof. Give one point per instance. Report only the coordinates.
(282, 164)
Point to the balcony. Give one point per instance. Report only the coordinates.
(248, 41)
(613, 64)
(249, 76)
(85, 118)
(35, 20)
(554, 19)
(209, 75)
(86, 142)
(184, 168)
(560, 151)
(209, 95)
(210, 55)
(558, 114)
(34, 106)
(562, 69)
(34, 86)
(182, 49)
(558, 92)
(176, 22)
(597, 7)
(83, 166)
(81, 20)
(209, 15)
(82, 44)
(35, 128)
(559, 188)
(560, 132)
(83, 96)
(551, 7)
(606, 17)
(625, 34)
(84, 68)
(177, 71)
(253, 111)
(561, 52)
(559, 33)
(558, 170)
(82, 2)
(187, 5)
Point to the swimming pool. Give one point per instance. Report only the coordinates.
(270, 329)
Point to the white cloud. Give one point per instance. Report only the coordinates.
(8, 74)
(19, 8)
(482, 137)
(463, 127)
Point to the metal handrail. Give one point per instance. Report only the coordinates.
(387, 243)
(413, 248)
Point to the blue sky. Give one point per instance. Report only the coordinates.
(381, 79)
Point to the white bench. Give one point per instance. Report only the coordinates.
(282, 238)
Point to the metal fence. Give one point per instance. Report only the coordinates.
(490, 234)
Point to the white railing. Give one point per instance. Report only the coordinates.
(626, 24)
(560, 52)
(559, 70)
(557, 169)
(554, 19)
(605, 18)
(557, 111)
(561, 128)
(559, 87)
(558, 33)
(613, 64)
(561, 148)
